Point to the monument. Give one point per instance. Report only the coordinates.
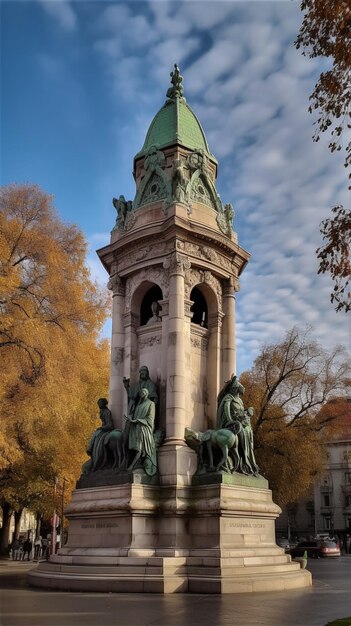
(171, 499)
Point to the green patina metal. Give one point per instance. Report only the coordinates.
(175, 123)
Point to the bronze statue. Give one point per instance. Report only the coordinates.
(145, 382)
(212, 441)
(101, 436)
(176, 91)
(140, 437)
(231, 414)
(230, 446)
(122, 207)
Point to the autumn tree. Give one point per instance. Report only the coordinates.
(326, 32)
(53, 365)
(289, 383)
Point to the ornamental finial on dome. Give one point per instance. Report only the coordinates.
(176, 91)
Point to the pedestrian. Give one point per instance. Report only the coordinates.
(37, 547)
(348, 544)
(14, 548)
(27, 549)
(19, 552)
(45, 548)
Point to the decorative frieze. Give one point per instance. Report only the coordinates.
(206, 253)
(148, 341)
(144, 252)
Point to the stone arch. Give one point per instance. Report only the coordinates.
(150, 308)
(139, 299)
(138, 284)
(209, 286)
(142, 341)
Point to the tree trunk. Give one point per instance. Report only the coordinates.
(5, 530)
(38, 526)
(18, 518)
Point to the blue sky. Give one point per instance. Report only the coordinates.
(81, 82)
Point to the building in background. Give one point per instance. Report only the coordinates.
(332, 494)
(328, 509)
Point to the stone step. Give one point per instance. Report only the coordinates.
(257, 551)
(168, 567)
(170, 561)
(249, 570)
(85, 579)
(262, 582)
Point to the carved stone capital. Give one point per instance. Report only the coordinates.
(116, 285)
(177, 263)
(230, 286)
(215, 320)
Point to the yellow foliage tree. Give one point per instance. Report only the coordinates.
(54, 366)
(326, 33)
(287, 386)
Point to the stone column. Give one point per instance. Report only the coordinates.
(214, 383)
(116, 285)
(176, 379)
(229, 346)
(163, 382)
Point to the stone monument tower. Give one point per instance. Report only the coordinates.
(196, 521)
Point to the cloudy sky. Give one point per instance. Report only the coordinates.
(81, 82)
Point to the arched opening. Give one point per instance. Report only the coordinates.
(149, 311)
(199, 308)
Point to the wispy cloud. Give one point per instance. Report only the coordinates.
(249, 87)
(62, 12)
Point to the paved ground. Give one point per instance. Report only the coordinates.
(330, 598)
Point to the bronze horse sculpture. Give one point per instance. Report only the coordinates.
(222, 440)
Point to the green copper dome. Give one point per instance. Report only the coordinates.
(175, 123)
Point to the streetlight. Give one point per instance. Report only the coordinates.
(62, 508)
(54, 521)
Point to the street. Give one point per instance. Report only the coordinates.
(328, 599)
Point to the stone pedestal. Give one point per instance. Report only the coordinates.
(200, 538)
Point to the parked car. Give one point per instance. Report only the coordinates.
(283, 543)
(316, 549)
(329, 548)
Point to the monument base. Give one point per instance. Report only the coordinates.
(200, 538)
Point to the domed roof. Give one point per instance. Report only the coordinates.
(175, 123)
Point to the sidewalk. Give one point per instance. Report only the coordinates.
(328, 599)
